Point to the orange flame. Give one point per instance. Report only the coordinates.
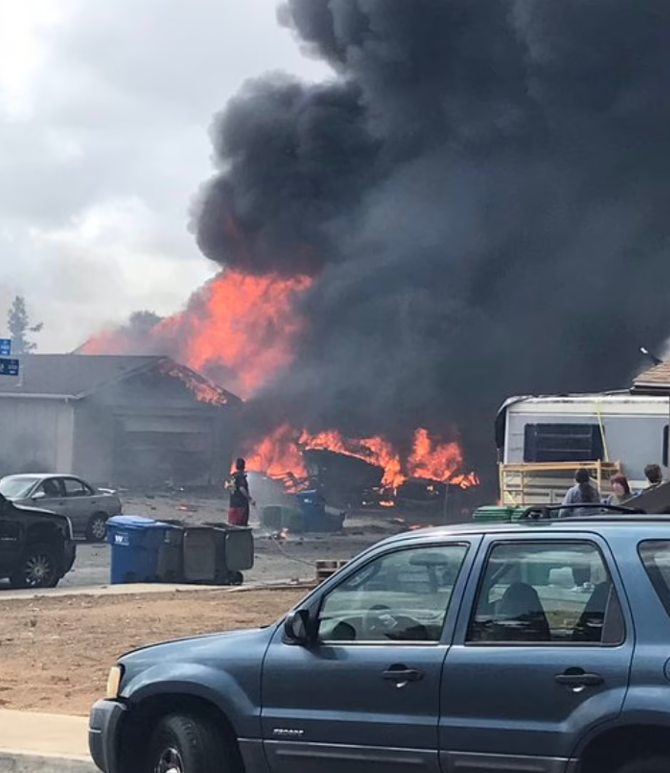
(279, 454)
(244, 325)
(240, 330)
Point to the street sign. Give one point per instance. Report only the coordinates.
(5, 347)
(9, 367)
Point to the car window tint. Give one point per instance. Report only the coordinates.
(399, 597)
(546, 593)
(75, 488)
(50, 488)
(655, 555)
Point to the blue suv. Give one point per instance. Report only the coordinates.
(540, 646)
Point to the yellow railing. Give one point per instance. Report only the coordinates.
(533, 484)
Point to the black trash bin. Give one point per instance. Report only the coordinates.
(170, 563)
(215, 555)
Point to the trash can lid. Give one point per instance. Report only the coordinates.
(306, 496)
(137, 522)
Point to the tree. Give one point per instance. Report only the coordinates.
(19, 326)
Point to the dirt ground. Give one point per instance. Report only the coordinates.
(55, 653)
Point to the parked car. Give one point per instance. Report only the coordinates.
(538, 645)
(37, 548)
(87, 507)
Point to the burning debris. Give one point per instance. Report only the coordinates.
(284, 450)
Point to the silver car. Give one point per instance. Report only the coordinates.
(87, 508)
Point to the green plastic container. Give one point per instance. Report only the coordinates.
(498, 513)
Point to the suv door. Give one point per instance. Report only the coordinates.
(367, 691)
(542, 654)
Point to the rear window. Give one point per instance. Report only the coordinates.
(655, 556)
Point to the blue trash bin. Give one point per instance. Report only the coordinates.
(136, 544)
(313, 507)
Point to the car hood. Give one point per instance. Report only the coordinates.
(199, 649)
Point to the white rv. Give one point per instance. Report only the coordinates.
(543, 440)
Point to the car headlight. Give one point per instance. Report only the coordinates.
(114, 682)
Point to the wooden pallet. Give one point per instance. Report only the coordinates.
(326, 568)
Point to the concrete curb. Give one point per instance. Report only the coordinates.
(15, 762)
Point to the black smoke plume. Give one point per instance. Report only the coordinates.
(482, 192)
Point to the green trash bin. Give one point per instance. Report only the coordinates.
(498, 513)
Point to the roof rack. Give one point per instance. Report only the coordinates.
(549, 512)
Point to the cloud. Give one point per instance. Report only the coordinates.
(104, 136)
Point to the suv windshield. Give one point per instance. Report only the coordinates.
(15, 488)
(655, 556)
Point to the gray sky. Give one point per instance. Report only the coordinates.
(105, 110)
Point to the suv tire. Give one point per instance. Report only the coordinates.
(38, 568)
(96, 529)
(646, 765)
(187, 744)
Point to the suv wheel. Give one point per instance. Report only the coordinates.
(185, 744)
(646, 765)
(96, 529)
(38, 568)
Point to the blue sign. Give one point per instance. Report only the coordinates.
(5, 347)
(9, 367)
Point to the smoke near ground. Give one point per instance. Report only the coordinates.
(481, 193)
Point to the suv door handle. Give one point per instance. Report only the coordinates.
(578, 678)
(402, 675)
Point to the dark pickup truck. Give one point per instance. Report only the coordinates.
(37, 548)
(540, 646)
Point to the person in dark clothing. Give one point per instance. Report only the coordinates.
(240, 497)
(654, 475)
(582, 493)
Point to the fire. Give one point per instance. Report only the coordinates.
(239, 329)
(279, 455)
(432, 460)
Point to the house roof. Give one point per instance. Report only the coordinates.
(74, 376)
(656, 379)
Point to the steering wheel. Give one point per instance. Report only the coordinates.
(380, 624)
(377, 622)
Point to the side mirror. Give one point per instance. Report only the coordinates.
(297, 628)
(38, 495)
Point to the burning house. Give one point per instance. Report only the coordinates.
(119, 420)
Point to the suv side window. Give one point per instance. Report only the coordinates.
(76, 488)
(396, 598)
(546, 593)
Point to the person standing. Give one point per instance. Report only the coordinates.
(240, 497)
(582, 493)
(620, 491)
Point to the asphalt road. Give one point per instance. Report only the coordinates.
(291, 560)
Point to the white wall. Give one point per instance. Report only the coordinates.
(35, 432)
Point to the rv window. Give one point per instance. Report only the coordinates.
(563, 443)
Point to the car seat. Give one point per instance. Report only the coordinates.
(520, 616)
